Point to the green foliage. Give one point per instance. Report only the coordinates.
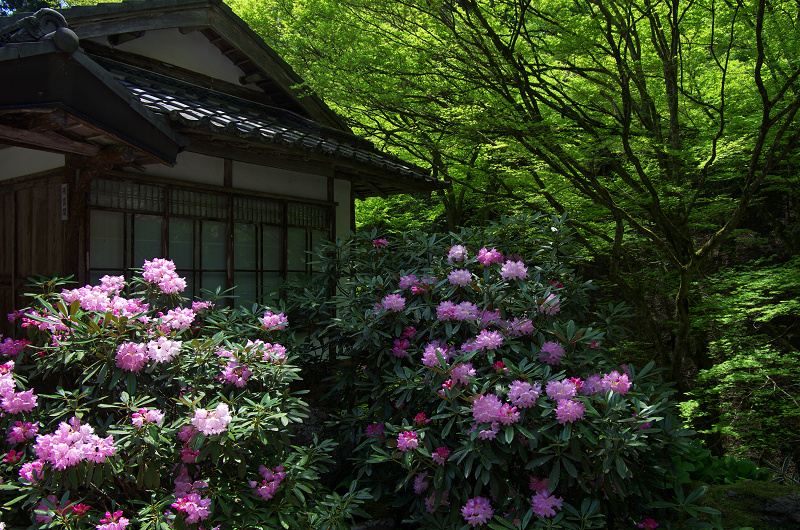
(623, 453)
(154, 467)
(705, 467)
(751, 314)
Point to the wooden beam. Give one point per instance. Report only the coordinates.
(48, 141)
(53, 121)
(258, 77)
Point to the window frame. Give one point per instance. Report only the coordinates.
(284, 212)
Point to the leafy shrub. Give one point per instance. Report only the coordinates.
(139, 410)
(751, 316)
(701, 465)
(477, 386)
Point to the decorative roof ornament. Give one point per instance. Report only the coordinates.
(42, 25)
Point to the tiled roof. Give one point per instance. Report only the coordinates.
(194, 106)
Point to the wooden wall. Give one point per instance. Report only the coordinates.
(33, 237)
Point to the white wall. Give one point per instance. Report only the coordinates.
(192, 167)
(19, 161)
(279, 181)
(191, 51)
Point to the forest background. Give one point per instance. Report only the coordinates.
(666, 130)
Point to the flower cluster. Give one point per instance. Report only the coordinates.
(133, 356)
(551, 353)
(213, 422)
(441, 455)
(487, 257)
(113, 521)
(162, 273)
(407, 440)
(11, 347)
(22, 431)
(190, 500)
(142, 416)
(72, 443)
(275, 321)
(12, 401)
(544, 504)
(477, 511)
(271, 479)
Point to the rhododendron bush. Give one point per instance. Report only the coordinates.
(476, 381)
(128, 406)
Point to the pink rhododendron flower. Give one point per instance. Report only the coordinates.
(420, 484)
(539, 484)
(508, 414)
(592, 385)
(194, 506)
(524, 395)
(394, 302)
(163, 350)
(199, 306)
(271, 479)
(569, 411)
(512, 270)
(179, 318)
(460, 277)
(488, 340)
(421, 419)
(375, 430)
(407, 281)
(544, 504)
(236, 373)
(138, 419)
(441, 455)
(457, 253)
(648, 523)
(409, 333)
(490, 434)
(113, 521)
(274, 321)
(187, 433)
(558, 390)
(519, 327)
(189, 456)
(407, 440)
(550, 305)
(15, 402)
(429, 354)
(213, 422)
(487, 257)
(465, 311)
(12, 457)
(489, 318)
(12, 348)
(431, 504)
(400, 346)
(32, 471)
(477, 511)
(80, 509)
(22, 431)
(162, 272)
(551, 353)
(418, 289)
(616, 382)
(379, 243)
(274, 353)
(72, 443)
(462, 373)
(486, 408)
